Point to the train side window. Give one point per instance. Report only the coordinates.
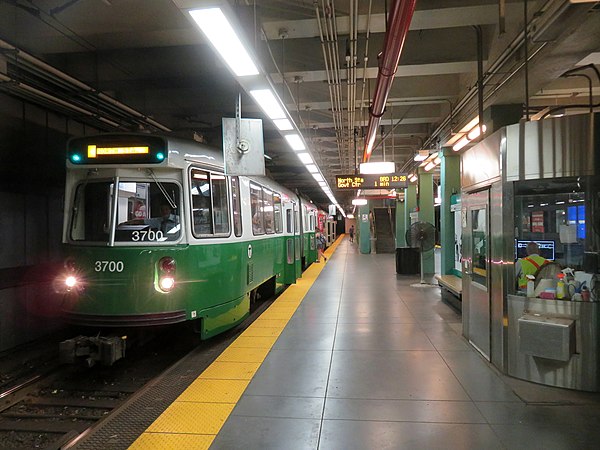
(277, 212)
(220, 204)
(268, 211)
(256, 209)
(201, 203)
(236, 205)
(289, 220)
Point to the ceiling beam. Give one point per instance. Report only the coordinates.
(422, 20)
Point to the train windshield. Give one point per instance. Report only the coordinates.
(146, 212)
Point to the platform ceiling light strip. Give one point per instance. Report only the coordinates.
(295, 142)
(219, 32)
(305, 158)
(216, 20)
(269, 104)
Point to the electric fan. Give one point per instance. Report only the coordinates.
(421, 235)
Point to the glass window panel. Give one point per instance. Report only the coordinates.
(479, 233)
(201, 203)
(146, 212)
(220, 204)
(268, 211)
(289, 220)
(256, 209)
(90, 220)
(277, 212)
(237, 213)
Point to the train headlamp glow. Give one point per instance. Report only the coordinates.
(166, 283)
(71, 281)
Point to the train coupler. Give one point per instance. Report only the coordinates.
(105, 350)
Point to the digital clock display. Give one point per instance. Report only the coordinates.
(385, 181)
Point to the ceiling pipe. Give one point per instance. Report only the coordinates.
(397, 30)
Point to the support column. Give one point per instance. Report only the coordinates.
(410, 203)
(364, 237)
(450, 184)
(400, 224)
(427, 214)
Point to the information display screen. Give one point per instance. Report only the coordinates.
(385, 181)
(546, 249)
(117, 149)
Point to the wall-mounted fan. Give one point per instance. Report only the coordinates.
(421, 235)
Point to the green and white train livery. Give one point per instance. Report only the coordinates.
(157, 234)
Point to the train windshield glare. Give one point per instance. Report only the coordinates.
(144, 213)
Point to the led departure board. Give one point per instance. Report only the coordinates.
(117, 149)
(385, 181)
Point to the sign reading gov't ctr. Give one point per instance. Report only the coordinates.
(386, 181)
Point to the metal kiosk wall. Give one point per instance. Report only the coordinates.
(534, 181)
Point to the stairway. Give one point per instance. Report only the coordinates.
(385, 227)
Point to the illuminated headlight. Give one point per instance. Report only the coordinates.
(70, 282)
(166, 283)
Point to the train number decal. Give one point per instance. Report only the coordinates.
(140, 236)
(109, 266)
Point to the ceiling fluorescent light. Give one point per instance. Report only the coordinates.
(318, 177)
(305, 158)
(359, 201)
(460, 144)
(267, 101)
(430, 165)
(220, 33)
(322, 184)
(283, 124)
(295, 142)
(474, 133)
(377, 167)
(312, 168)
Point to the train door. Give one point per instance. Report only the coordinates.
(289, 268)
(476, 271)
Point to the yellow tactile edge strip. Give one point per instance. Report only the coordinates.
(194, 419)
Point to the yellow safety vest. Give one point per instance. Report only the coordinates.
(529, 266)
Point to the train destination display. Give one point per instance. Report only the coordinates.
(384, 181)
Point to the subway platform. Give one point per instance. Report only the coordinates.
(355, 357)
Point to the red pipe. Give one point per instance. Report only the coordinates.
(397, 29)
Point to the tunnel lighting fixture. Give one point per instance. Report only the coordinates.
(295, 142)
(359, 201)
(437, 160)
(421, 155)
(312, 168)
(283, 124)
(323, 184)
(305, 158)
(460, 144)
(413, 178)
(220, 33)
(379, 167)
(317, 176)
(269, 104)
(350, 216)
(430, 165)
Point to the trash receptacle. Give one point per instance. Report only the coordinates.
(408, 261)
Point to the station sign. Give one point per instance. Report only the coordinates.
(384, 181)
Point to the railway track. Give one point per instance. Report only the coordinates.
(50, 408)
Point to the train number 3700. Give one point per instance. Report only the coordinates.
(109, 266)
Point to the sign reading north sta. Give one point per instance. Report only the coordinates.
(386, 181)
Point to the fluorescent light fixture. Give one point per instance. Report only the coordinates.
(359, 201)
(269, 104)
(323, 184)
(350, 216)
(312, 168)
(318, 177)
(220, 33)
(295, 142)
(430, 165)
(437, 160)
(474, 133)
(283, 124)
(460, 144)
(377, 167)
(305, 158)
(420, 157)
(413, 178)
